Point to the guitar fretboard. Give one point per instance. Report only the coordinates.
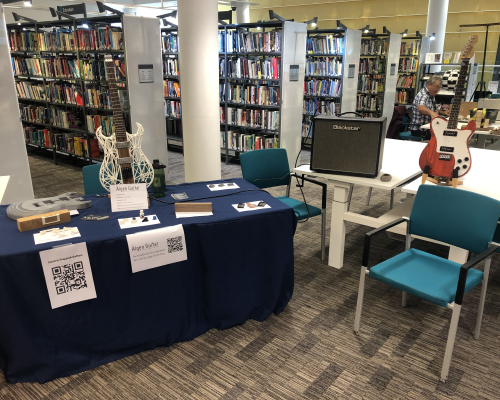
(459, 95)
(120, 131)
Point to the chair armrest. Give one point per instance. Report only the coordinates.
(462, 279)
(368, 237)
(323, 185)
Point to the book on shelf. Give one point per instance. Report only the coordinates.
(376, 47)
(173, 109)
(328, 44)
(30, 90)
(411, 48)
(101, 121)
(408, 64)
(169, 43)
(404, 97)
(23, 41)
(170, 66)
(171, 89)
(406, 81)
(326, 66)
(237, 140)
(447, 58)
(37, 136)
(263, 119)
(256, 68)
(64, 118)
(100, 38)
(93, 70)
(433, 58)
(246, 42)
(371, 66)
(35, 113)
(321, 107)
(307, 129)
(370, 84)
(322, 87)
(65, 93)
(253, 95)
(97, 96)
(367, 103)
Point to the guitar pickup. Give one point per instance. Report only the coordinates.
(446, 157)
(446, 149)
(450, 133)
(122, 145)
(125, 160)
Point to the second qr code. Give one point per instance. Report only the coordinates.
(175, 244)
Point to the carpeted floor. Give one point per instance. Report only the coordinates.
(308, 351)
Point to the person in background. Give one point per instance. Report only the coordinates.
(424, 107)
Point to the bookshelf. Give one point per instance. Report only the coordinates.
(327, 70)
(409, 60)
(171, 86)
(260, 107)
(61, 82)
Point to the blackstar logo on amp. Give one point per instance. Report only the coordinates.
(347, 128)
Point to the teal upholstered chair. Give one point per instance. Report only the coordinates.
(269, 168)
(91, 182)
(453, 216)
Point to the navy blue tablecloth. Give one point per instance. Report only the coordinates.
(239, 267)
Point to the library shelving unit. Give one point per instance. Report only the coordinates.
(378, 74)
(327, 72)
(61, 82)
(409, 60)
(171, 86)
(260, 104)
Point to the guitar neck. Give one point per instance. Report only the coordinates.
(120, 131)
(459, 95)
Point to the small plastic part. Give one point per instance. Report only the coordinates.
(145, 219)
(154, 218)
(141, 214)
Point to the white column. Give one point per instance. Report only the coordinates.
(437, 15)
(199, 75)
(13, 155)
(242, 13)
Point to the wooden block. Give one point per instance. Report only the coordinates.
(43, 220)
(193, 207)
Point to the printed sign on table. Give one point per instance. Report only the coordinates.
(68, 275)
(157, 247)
(129, 197)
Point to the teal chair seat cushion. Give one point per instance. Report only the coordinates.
(300, 207)
(409, 136)
(424, 275)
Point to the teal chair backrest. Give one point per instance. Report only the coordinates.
(265, 168)
(463, 219)
(91, 182)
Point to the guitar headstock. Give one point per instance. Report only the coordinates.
(468, 50)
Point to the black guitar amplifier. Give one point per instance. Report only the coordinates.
(348, 146)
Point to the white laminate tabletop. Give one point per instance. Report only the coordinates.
(400, 160)
(483, 178)
(3, 185)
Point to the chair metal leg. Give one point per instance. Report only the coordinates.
(404, 299)
(452, 333)
(323, 234)
(484, 286)
(287, 193)
(369, 196)
(349, 197)
(359, 306)
(392, 199)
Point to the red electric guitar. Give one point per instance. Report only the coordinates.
(448, 148)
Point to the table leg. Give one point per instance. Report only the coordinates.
(337, 227)
(458, 255)
(481, 141)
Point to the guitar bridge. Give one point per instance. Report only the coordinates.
(125, 160)
(446, 157)
(122, 145)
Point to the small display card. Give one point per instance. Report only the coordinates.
(55, 234)
(129, 197)
(251, 206)
(222, 186)
(157, 247)
(137, 222)
(68, 275)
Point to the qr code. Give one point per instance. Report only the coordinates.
(69, 277)
(175, 244)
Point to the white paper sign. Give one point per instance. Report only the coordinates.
(55, 235)
(250, 206)
(222, 186)
(493, 87)
(68, 275)
(157, 247)
(433, 58)
(129, 197)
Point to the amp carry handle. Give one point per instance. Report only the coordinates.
(351, 112)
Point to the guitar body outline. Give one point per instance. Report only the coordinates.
(459, 158)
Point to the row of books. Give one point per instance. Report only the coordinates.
(37, 136)
(65, 93)
(170, 66)
(404, 96)
(307, 129)
(406, 81)
(321, 107)
(169, 43)
(257, 68)
(408, 64)
(31, 90)
(173, 109)
(370, 103)
(371, 66)
(50, 115)
(263, 119)
(410, 48)
(100, 38)
(38, 114)
(244, 94)
(101, 121)
(374, 47)
(58, 67)
(248, 142)
(324, 66)
(328, 44)
(171, 89)
(326, 88)
(246, 42)
(369, 84)
(97, 96)
(76, 145)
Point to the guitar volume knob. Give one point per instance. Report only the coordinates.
(464, 166)
(459, 161)
(466, 158)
